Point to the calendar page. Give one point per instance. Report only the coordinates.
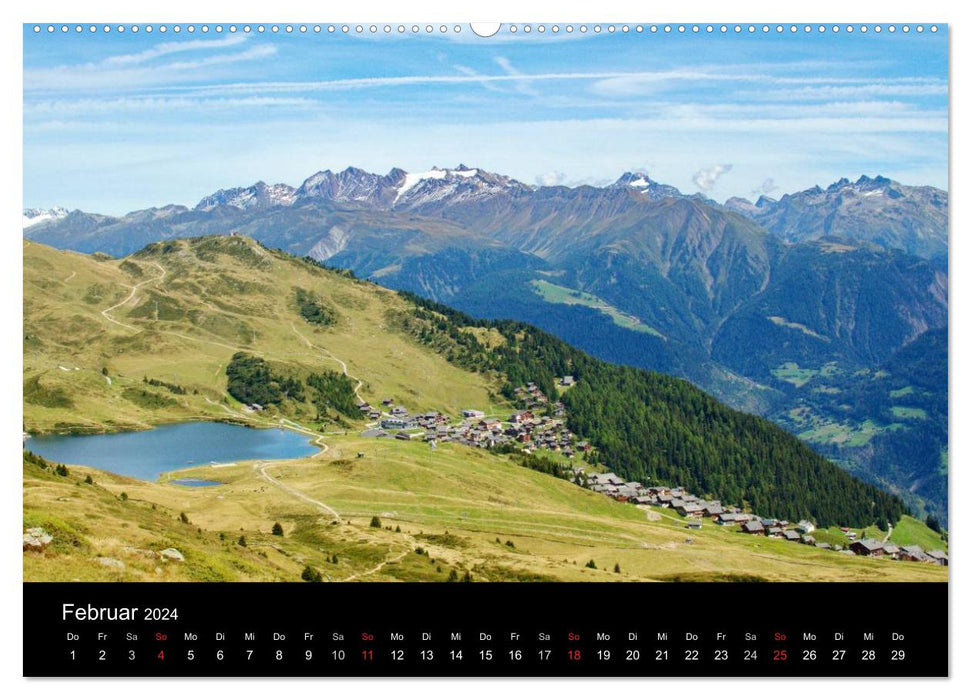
(521, 349)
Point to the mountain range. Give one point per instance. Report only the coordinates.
(877, 210)
(749, 301)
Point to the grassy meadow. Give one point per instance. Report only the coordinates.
(449, 508)
(84, 369)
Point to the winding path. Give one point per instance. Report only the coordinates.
(376, 569)
(134, 291)
(261, 468)
(318, 438)
(330, 356)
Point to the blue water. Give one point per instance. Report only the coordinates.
(148, 453)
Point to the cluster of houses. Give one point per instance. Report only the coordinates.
(696, 509)
(524, 428)
(780, 529)
(387, 405)
(533, 398)
(911, 552)
(528, 431)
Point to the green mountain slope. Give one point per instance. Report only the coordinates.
(122, 344)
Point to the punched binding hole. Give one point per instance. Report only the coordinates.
(485, 29)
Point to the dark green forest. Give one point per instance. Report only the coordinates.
(313, 309)
(657, 429)
(332, 390)
(253, 380)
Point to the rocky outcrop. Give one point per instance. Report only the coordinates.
(36, 539)
(171, 554)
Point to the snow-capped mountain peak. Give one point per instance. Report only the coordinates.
(398, 189)
(864, 184)
(413, 179)
(460, 184)
(352, 185)
(35, 216)
(636, 180)
(259, 196)
(642, 183)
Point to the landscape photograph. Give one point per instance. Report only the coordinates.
(605, 303)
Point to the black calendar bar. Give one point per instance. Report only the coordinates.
(480, 629)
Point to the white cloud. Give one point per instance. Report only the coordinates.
(171, 47)
(551, 178)
(255, 52)
(642, 83)
(611, 83)
(768, 186)
(779, 110)
(131, 73)
(158, 104)
(748, 127)
(522, 85)
(844, 92)
(383, 81)
(706, 178)
(465, 70)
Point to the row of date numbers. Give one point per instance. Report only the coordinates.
(516, 655)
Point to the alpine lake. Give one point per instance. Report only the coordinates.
(147, 454)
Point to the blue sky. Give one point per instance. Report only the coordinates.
(119, 122)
